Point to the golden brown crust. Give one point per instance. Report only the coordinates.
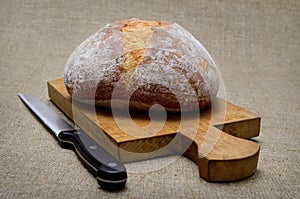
(146, 62)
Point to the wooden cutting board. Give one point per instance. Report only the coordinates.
(219, 145)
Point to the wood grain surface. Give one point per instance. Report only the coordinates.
(217, 140)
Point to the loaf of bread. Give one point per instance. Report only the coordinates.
(141, 63)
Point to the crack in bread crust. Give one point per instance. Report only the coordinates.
(136, 36)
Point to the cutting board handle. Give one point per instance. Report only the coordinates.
(223, 157)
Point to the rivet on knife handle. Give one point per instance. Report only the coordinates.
(110, 173)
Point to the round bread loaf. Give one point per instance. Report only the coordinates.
(142, 63)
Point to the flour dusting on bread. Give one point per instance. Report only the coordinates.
(156, 62)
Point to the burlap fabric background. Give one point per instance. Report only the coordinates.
(256, 45)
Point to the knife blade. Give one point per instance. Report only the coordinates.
(110, 173)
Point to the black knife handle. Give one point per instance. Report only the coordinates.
(110, 173)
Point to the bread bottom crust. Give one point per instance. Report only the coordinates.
(139, 106)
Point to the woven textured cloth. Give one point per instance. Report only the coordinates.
(255, 44)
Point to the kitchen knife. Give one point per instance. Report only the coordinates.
(109, 172)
